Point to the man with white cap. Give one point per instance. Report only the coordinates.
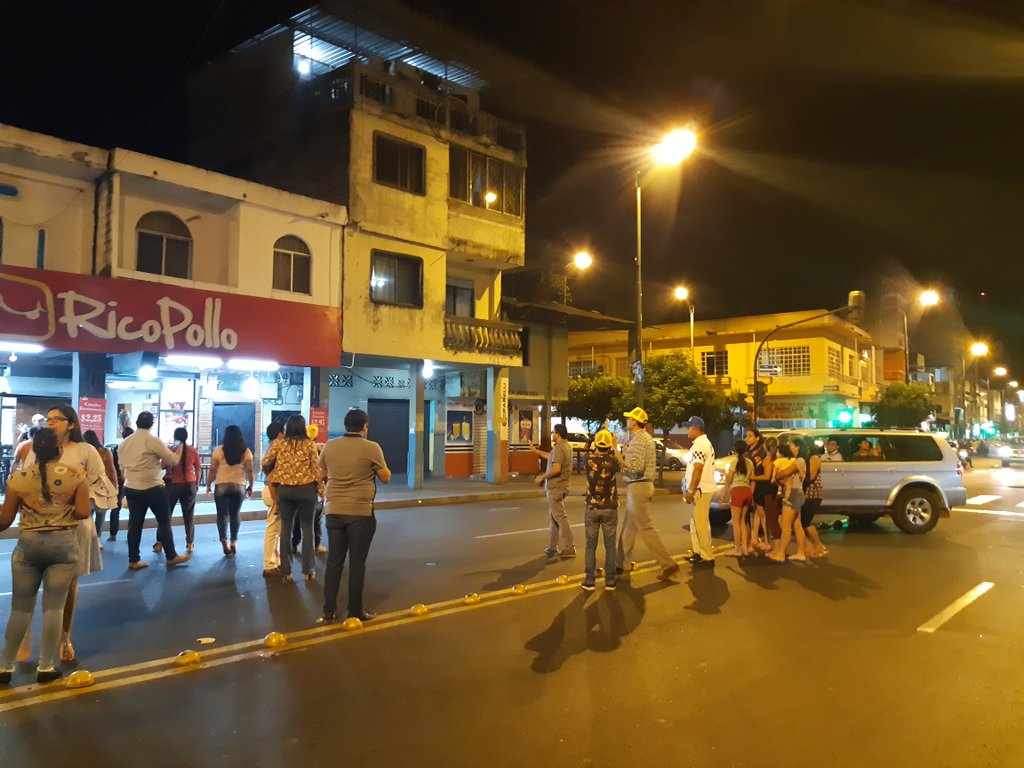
(698, 488)
(639, 464)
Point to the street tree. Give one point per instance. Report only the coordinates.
(903, 405)
(674, 390)
(592, 399)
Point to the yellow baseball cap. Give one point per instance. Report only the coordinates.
(604, 439)
(638, 414)
(312, 431)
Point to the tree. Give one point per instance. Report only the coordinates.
(903, 405)
(674, 390)
(593, 399)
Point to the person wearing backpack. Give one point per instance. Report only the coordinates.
(602, 510)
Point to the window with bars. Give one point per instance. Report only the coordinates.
(164, 245)
(835, 362)
(585, 368)
(794, 361)
(396, 279)
(485, 182)
(714, 363)
(293, 265)
(399, 164)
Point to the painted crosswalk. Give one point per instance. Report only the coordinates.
(982, 499)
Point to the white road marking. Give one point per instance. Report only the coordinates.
(997, 512)
(516, 533)
(82, 586)
(955, 607)
(505, 509)
(983, 499)
(1021, 505)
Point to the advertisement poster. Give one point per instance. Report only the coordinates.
(318, 416)
(170, 421)
(92, 414)
(124, 418)
(460, 428)
(525, 425)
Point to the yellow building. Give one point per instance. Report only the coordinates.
(816, 374)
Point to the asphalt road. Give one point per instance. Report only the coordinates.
(752, 664)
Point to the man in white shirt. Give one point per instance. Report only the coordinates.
(698, 488)
(143, 458)
(832, 452)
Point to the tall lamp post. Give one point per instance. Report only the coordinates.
(978, 349)
(683, 294)
(925, 299)
(673, 150)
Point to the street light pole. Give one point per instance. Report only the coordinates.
(693, 361)
(638, 376)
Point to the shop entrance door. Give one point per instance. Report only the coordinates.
(389, 426)
(242, 415)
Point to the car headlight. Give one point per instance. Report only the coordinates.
(719, 477)
(1004, 451)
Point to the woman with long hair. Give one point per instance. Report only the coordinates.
(108, 467)
(815, 494)
(75, 452)
(183, 485)
(790, 473)
(52, 499)
(230, 466)
(740, 494)
(763, 489)
(296, 463)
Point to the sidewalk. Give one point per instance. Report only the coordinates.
(396, 495)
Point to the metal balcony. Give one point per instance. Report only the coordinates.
(492, 337)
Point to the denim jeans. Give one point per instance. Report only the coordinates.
(297, 501)
(185, 494)
(49, 558)
(140, 502)
(606, 522)
(228, 499)
(347, 534)
(318, 517)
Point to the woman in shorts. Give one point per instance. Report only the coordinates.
(790, 473)
(740, 494)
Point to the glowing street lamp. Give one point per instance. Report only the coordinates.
(683, 294)
(979, 348)
(582, 260)
(999, 371)
(928, 298)
(674, 148)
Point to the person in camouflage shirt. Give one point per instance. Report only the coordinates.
(602, 513)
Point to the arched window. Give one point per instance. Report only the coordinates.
(165, 245)
(293, 265)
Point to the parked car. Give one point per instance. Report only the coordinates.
(1011, 452)
(671, 454)
(914, 477)
(578, 441)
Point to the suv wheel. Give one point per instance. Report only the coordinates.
(916, 510)
(674, 464)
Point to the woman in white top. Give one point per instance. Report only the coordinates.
(74, 452)
(230, 467)
(739, 491)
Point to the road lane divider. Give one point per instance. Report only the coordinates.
(983, 499)
(114, 678)
(997, 512)
(516, 533)
(955, 607)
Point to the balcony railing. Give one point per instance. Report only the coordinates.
(468, 334)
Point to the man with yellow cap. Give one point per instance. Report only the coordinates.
(602, 509)
(639, 464)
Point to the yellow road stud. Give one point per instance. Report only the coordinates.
(188, 658)
(275, 640)
(351, 624)
(471, 599)
(80, 679)
(519, 589)
(563, 579)
(419, 610)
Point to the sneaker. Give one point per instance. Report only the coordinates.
(138, 565)
(269, 572)
(178, 559)
(609, 586)
(550, 551)
(158, 547)
(668, 572)
(587, 586)
(112, 537)
(48, 675)
(567, 553)
(363, 615)
(704, 563)
(626, 568)
(5, 676)
(327, 618)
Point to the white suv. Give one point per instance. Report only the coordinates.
(915, 477)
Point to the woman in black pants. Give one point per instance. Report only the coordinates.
(184, 484)
(230, 466)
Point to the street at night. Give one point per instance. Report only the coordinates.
(699, 668)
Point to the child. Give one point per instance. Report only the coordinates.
(602, 509)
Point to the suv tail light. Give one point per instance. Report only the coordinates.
(960, 469)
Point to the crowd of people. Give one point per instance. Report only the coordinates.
(64, 483)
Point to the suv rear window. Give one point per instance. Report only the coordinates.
(910, 448)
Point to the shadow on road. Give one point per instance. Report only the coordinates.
(835, 582)
(710, 592)
(595, 625)
(509, 577)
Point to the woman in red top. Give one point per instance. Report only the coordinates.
(182, 485)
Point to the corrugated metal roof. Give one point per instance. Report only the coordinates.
(328, 42)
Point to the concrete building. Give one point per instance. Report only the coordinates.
(815, 373)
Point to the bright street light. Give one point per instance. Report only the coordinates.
(999, 371)
(675, 147)
(1014, 384)
(979, 348)
(682, 294)
(928, 298)
(582, 260)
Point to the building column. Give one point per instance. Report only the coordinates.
(414, 472)
(497, 425)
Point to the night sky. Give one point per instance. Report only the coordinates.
(845, 145)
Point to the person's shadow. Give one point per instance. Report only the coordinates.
(519, 574)
(710, 592)
(595, 625)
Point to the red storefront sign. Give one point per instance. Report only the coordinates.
(318, 416)
(100, 314)
(92, 414)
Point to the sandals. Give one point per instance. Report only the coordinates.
(67, 651)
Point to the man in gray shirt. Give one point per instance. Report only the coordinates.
(556, 480)
(351, 465)
(143, 458)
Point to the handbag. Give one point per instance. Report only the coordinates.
(103, 492)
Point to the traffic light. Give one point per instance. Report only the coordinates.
(855, 307)
(845, 417)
